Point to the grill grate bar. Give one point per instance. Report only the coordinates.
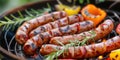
(11, 42)
(16, 49)
(5, 38)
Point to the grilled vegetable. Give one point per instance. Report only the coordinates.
(118, 29)
(91, 12)
(70, 10)
(115, 55)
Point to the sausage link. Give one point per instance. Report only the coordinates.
(101, 31)
(22, 32)
(46, 36)
(56, 24)
(86, 51)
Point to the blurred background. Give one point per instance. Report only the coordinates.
(9, 4)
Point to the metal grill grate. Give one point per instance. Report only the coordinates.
(12, 46)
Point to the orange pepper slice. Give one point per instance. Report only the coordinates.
(91, 12)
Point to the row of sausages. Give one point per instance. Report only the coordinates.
(39, 30)
(57, 26)
(101, 31)
(22, 36)
(42, 38)
(55, 35)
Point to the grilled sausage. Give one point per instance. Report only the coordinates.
(33, 43)
(22, 32)
(101, 31)
(86, 51)
(118, 29)
(58, 23)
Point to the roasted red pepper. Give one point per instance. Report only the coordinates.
(91, 12)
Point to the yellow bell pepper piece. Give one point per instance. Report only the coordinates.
(70, 10)
(115, 55)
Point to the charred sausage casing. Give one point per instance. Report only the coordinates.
(101, 31)
(23, 31)
(33, 43)
(86, 51)
(56, 24)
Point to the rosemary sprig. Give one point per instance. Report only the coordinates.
(93, 34)
(17, 21)
(72, 43)
(58, 52)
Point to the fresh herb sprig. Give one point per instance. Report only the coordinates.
(13, 22)
(53, 55)
(17, 21)
(72, 43)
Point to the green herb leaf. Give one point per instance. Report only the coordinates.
(101, 1)
(20, 14)
(81, 1)
(48, 5)
(28, 13)
(18, 20)
(7, 18)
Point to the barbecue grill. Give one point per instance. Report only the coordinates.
(12, 50)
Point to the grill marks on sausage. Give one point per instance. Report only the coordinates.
(44, 36)
(86, 51)
(63, 22)
(99, 33)
(27, 26)
(65, 30)
(56, 32)
(69, 29)
(58, 23)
